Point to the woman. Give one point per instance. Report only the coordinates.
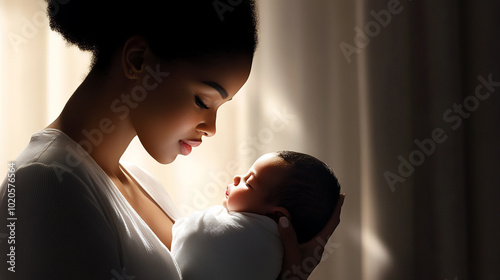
(160, 71)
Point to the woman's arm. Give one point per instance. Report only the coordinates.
(301, 259)
(60, 232)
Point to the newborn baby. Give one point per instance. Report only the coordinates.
(240, 239)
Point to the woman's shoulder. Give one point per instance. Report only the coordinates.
(47, 183)
(52, 162)
(52, 147)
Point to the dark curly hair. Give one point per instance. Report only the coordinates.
(174, 29)
(309, 192)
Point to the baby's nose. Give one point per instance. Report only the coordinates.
(236, 180)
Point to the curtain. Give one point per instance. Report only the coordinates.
(431, 79)
(400, 98)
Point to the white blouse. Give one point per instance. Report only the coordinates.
(69, 221)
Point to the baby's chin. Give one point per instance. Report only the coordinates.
(224, 203)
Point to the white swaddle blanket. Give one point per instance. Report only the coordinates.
(222, 245)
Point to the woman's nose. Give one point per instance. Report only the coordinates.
(207, 126)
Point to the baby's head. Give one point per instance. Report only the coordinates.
(295, 184)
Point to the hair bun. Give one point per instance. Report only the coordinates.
(173, 28)
(87, 23)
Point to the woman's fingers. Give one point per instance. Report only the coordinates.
(315, 247)
(292, 252)
(334, 221)
(300, 260)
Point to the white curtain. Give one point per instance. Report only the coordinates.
(354, 83)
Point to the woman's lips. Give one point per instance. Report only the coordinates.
(187, 146)
(192, 143)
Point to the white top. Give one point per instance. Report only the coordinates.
(72, 222)
(222, 245)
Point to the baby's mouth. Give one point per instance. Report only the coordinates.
(227, 192)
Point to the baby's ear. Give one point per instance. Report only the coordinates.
(277, 212)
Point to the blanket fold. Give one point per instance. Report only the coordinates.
(217, 244)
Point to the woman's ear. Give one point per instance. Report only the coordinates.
(133, 56)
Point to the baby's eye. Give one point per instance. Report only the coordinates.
(248, 185)
(200, 103)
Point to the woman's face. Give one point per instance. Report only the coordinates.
(181, 102)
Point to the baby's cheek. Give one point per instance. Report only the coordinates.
(236, 203)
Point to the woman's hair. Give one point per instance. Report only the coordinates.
(309, 192)
(174, 29)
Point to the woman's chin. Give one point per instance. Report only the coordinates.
(164, 159)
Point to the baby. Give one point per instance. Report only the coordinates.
(240, 239)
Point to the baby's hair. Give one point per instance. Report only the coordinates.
(309, 192)
(174, 29)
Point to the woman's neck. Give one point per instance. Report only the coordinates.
(92, 118)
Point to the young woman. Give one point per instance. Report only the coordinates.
(160, 71)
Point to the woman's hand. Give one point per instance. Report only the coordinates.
(301, 259)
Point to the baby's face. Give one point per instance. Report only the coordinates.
(248, 193)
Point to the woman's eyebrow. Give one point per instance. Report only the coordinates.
(219, 88)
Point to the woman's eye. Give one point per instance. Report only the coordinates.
(200, 103)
